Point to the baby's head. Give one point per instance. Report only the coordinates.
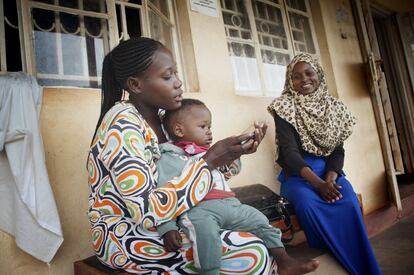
(190, 122)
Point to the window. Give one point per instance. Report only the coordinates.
(262, 37)
(152, 18)
(64, 41)
(11, 59)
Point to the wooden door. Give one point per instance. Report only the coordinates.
(379, 97)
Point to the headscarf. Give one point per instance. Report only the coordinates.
(322, 121)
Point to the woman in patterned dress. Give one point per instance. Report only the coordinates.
(124, 203)
(311, 127)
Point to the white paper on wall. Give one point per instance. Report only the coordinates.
(207, 7)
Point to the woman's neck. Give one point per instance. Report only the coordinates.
(151, 116)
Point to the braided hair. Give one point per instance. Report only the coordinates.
(130, 58)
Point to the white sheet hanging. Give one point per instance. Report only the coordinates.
(27, 206)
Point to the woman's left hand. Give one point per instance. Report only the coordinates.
(332, 192)
(260, 129)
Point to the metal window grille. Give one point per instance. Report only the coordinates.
(64, 41)
(262, 37)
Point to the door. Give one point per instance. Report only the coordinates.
(379, 97)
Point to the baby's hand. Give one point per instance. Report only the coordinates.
(172, 241)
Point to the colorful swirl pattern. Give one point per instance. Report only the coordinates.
(124, 205)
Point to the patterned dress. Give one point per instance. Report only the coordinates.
(125, 204)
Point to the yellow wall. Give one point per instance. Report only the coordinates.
(68, 119)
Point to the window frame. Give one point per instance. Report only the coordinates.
(254, 41)
(24, 12)
(3, 59)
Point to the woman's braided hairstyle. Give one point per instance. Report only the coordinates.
(130, 58)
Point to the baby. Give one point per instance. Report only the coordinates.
(189, 129)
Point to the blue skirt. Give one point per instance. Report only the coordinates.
(337, 226)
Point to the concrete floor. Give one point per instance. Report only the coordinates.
(394, 249)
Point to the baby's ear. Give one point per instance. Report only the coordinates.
(178, 130)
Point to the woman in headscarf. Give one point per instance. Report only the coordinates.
(311, 126)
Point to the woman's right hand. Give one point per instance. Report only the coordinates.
(227, 150)
(329, 191)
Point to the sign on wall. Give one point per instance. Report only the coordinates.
(207, 7)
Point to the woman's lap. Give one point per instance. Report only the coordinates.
(120, 245)
(338, 226)
(298, 191)
(301, 193)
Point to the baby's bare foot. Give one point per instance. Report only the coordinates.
(289, 266)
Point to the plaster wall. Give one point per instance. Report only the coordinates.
(68, 119)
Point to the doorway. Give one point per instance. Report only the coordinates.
(396, 49)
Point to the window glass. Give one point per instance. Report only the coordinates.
(274, 46)
(259, 54)
(241, 49)
(160, 30)
(301, 32)
(69, 48)
(45, 1)
(138, 2)
(133, 19)
(270, 28)
(94, 5)
(236, 22)
(12, 59)
(161, 6)
(297, 5)
(69, 3)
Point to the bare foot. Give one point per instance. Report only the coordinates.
(289, 266)
(286, 265)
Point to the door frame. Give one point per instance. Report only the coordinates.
(372, 59)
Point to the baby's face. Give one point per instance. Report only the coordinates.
(196, 125)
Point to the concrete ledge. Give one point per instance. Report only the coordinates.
(92, 266)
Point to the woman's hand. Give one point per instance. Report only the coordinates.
(225, 151)
(329, 190)
(260, 129)
(172, 240)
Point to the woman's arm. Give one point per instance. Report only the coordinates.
(335, 161)
(128, 155)
(289, 147)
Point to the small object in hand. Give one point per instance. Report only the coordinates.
(251, 129)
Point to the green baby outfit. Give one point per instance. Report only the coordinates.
(204, 223)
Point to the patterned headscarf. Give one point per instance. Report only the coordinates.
(322, 121)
